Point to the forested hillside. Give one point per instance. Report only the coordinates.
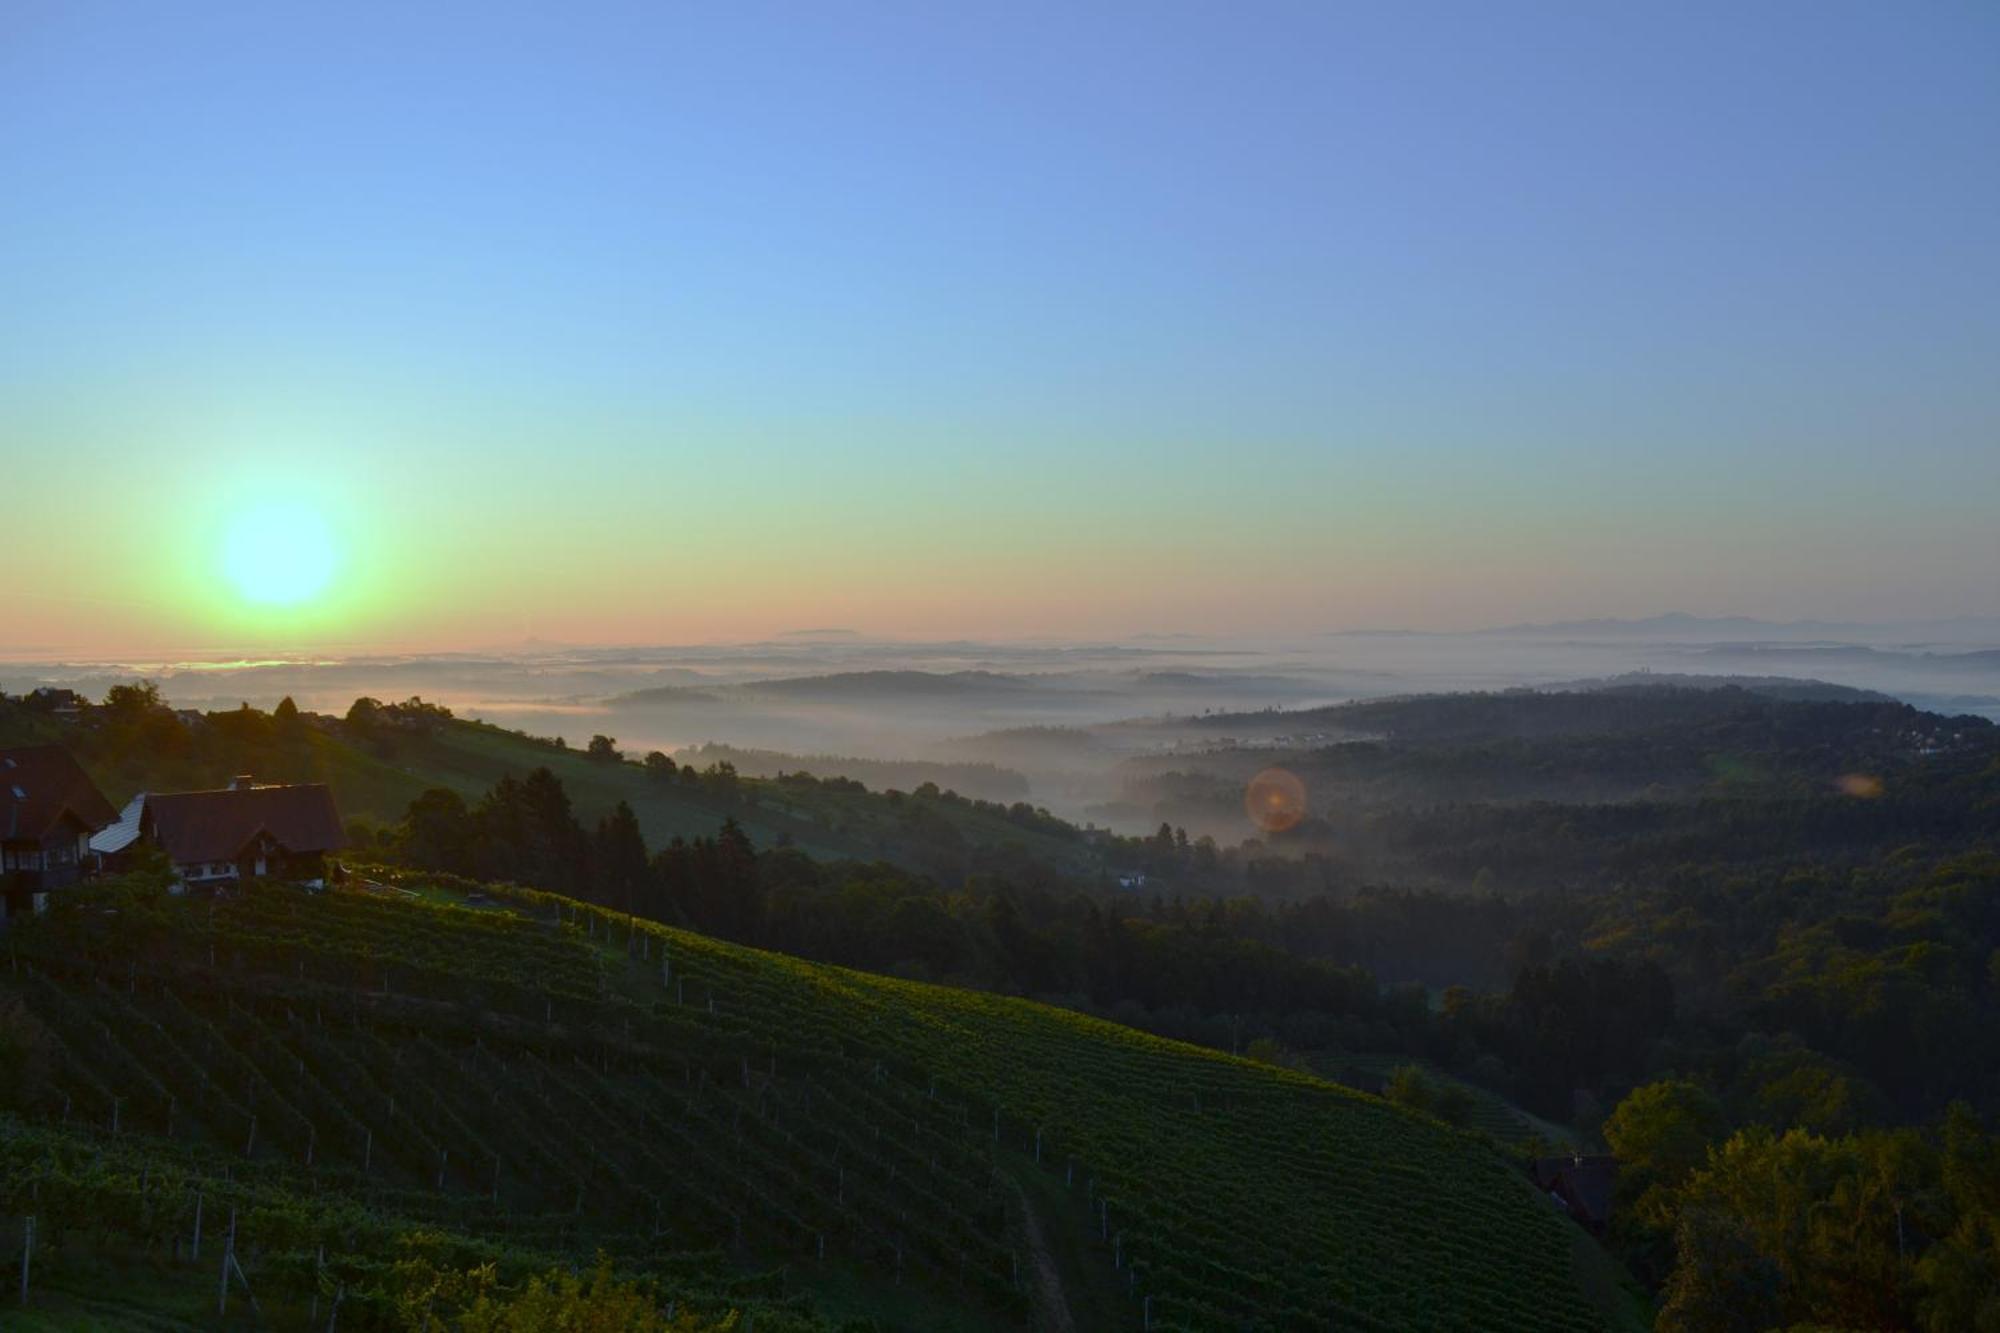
(1623, 745)
(380, 757)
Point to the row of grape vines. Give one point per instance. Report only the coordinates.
(550, 1077)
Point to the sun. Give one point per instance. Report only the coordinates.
(279, 554)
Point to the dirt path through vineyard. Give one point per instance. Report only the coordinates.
(1051, 1308)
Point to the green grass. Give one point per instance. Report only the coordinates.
(97, 1287)
(715, 1124)
(1610, 1288)
(1491, 1113)
(844, 1292)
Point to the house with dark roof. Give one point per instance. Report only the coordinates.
(49, 808)
(1581, 1185)
(214, 838)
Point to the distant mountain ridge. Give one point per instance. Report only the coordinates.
(1795, 688)
(847, 686)
(1685, 623)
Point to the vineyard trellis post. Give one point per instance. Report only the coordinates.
(196, 1253)
(244, 1278)
(228, 1253)
(27, 1252)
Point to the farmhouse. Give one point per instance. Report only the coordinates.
(1581, 1185)
(48, 809)
(217, 837)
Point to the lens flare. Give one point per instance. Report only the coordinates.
(1865, 786)
(1275, 800)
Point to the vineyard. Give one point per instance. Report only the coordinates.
(512, 1075)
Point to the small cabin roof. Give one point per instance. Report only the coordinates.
(122, 833)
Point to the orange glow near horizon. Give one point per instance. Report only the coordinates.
(1275, 800)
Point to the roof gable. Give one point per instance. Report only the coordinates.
(218, 825)
(40, 786)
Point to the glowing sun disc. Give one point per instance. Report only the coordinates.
(279, 554)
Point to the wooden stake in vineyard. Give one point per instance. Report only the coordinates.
(228, 1255)
(244, 1278)
(27, 1252)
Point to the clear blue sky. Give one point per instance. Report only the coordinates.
(676, 321)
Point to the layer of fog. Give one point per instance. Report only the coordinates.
(1055, 719)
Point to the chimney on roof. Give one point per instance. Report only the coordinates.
(242, 782)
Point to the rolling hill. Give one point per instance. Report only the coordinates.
(459, 1072)
(375, 776)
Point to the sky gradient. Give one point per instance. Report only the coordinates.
(669, 323)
